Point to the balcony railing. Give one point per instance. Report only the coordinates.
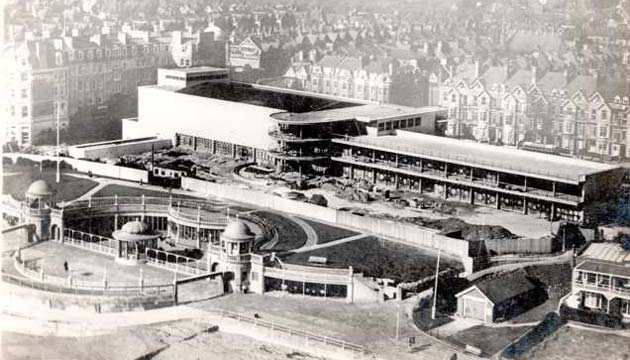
(464, 178)
(217, 219)
(619, 290)
(299, 154)
(288, 136)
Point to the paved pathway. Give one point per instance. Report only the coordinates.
(458, 324)
(560, 259)
(330, 243)
(90, 193)
(311, 235)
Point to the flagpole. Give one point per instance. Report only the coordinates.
(58, 121)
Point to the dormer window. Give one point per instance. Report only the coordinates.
(617, 99)
(625, 100)
(554, 92)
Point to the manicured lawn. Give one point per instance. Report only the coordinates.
(376, 258)
(290, 234)
(68, 188)
(121, 190)
(578, 344)
(489, 339)
(327, 233)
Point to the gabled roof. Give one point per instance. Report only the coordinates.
(503, 288)
(520, 77)
(494, 75)
(609, 88)
(585, 83)
(552, 80)
(340, 62)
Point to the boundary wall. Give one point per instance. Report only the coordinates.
(96, 168)
(411, 234)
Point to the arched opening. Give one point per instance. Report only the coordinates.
(55, 232)
(214, 267)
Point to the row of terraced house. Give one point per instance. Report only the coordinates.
(582, 115)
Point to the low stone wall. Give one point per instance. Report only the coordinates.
(308, 342)
(32, 295)
(199, 288)
(48, 282)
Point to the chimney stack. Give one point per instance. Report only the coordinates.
(566, 76)
(122, 37)
(477, 69)
(97, 39)
(534, 75)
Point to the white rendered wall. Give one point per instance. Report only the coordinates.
(163, 113)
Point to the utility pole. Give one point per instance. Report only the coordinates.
(437, 271)
(564, 237)
(397, 321)
(58, 160)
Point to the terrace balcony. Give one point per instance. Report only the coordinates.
(292, 136)
(440, 172)
(299, 154)
(201, 216)
(607, 284)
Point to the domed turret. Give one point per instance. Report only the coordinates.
(38, 202)
(237, 242)
(238, 230)
(39, 188)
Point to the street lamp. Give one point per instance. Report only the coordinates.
(437, 271)
(58, 177)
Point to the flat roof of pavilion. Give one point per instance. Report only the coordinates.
(291, 101)
(604, 268)
(496, 158)
(198, 69)
(364, 113)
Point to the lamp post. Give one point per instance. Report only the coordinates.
(397, 321)
(58, 177)
(437, 271)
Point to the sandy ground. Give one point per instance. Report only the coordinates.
(182, 340)
(89, 266)
(517, 223)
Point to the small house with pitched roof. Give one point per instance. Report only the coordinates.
(496, 299)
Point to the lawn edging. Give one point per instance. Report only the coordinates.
(534, 336)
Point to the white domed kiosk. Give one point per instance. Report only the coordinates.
(132, 240)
